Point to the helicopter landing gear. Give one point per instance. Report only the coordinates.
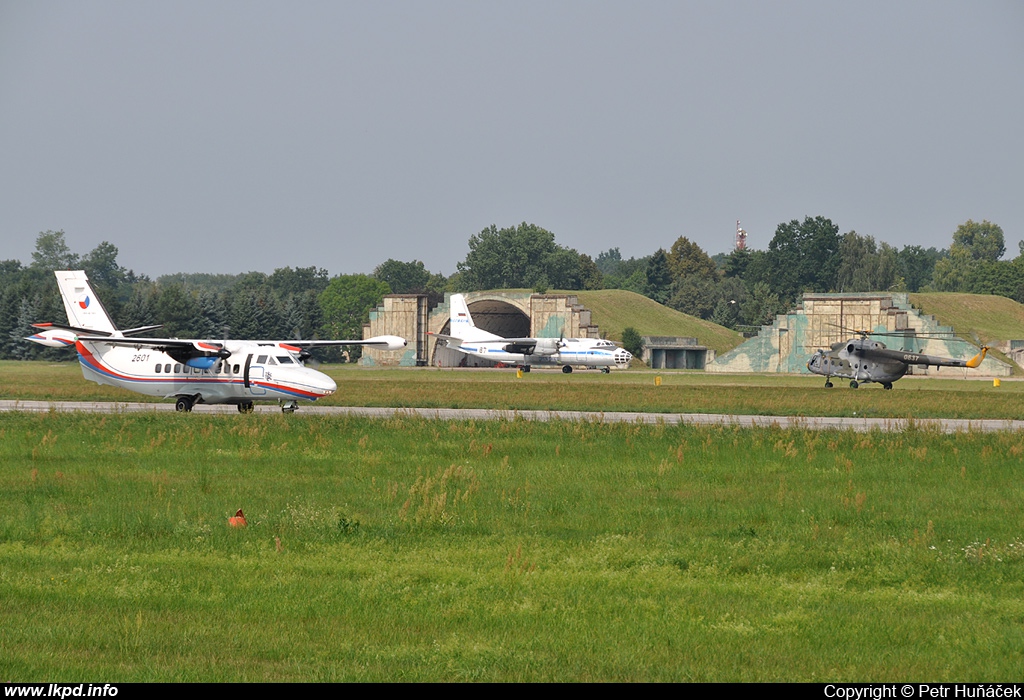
(854, 384)
(566, 369)
(245, 407)
(887, 386)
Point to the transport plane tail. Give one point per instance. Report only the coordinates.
(83, 307)
(461, 323)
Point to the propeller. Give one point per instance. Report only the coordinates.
(305, 356)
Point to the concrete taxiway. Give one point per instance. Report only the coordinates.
(855, 423)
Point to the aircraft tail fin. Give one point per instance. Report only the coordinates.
(976, 360)
(461, 323)
(81, 304)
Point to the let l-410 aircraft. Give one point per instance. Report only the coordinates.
(238, 372)
(862, 360)
(465, 337)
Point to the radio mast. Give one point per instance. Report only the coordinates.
(741, 237)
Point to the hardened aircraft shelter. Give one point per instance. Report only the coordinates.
(823, 319)
(511, 314)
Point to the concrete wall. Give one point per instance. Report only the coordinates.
(401, 315)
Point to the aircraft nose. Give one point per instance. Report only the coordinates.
(622, 357)
(329, 386)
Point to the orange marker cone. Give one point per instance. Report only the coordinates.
(238, 520)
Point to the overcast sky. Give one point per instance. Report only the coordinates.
(224, 136)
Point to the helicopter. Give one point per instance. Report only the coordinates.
(863, 360)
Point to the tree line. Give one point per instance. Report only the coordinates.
(743, 287)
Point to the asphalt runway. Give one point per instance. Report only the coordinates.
(945, 425)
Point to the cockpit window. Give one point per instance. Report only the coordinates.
(261, 360)
(284, 360)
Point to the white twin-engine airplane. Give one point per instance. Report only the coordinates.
(191, 371)
(523, 352)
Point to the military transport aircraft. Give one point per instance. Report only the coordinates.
(861, 360)
(524, 352)
(236, 372)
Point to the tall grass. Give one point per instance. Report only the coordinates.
(408, 549)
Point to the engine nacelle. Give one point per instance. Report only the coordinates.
(547, 346)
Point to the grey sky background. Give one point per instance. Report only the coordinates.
(235, 136)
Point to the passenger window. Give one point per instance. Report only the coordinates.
(177, 369)
(235, 369)
(167, 368)
(158, 368)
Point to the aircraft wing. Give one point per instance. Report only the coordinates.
(525, 342)
(193, 347)
(380, 342)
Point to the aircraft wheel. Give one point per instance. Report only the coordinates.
(566, 369)
(854, 384)
(183, 404)
(246, 407)
(606, 370)
(828, 385)
(887, 386)
(526, 368)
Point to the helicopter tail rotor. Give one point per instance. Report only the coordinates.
(977, 359)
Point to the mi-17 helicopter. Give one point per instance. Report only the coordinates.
(861, 359)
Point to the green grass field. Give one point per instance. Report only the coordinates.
(407, 549)
(631, 390)
(418, 550)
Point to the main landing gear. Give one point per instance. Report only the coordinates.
(184, 404)
(246, 407)
(854, 384)
(566, 369)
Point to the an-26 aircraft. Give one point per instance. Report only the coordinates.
(862, 360)
(524, 352)
(238, 372)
